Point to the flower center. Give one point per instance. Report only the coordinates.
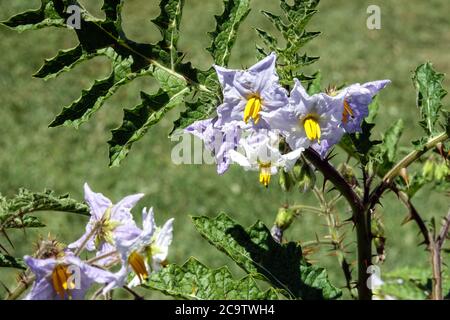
(312, 127)
(61, 280)
(264, 173)
(105, 226)
(252, 108)
(348, 112)
(137, 263)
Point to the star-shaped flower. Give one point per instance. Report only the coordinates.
(248, 92)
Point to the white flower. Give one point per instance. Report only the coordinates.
(262, 154)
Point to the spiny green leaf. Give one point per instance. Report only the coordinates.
(24, 222)
(65, 60)
(374, 106)
(11, 262)
(227, 26)
(112, 9)
(291, 24)
(14, 211)
(360, 146)
(315, 86)
(193, 280)
(430, 93)
(46, 16)
(129, 59)
(388, 147)
(254, 250)
(92, 99)
(168, 23)
(137, 121)
(204, 105)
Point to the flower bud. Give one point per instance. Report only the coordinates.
(306, 178)
(284, 218)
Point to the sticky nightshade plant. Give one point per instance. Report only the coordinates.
(239, 114)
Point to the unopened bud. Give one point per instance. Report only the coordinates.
(284, 218)
(306, 178)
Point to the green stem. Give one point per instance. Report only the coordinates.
(24, 284)
(413, 156)
(300, 207)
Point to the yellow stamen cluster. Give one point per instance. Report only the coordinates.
(312, 128)
(264, 173)
(137, 263)
(348, 112)
(105, 228)
(252, 109)
(62, 284)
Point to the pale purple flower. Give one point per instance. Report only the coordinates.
(219, 140)
(144, 254)
(63, 278)
(356, 103)
(248, 92)
(107, 222)
(261, 153)
(309, 121)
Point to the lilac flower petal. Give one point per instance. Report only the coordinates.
(42, 289)
(89, 245)
(148, 219)
(358, 97)
(97, 202)
(40, 267)
(122, 210)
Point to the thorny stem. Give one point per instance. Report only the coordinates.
(436, 259)
(364, 240)
(336, 240)
(434, 244)
(25, 282)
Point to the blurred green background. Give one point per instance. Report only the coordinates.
(36, 157)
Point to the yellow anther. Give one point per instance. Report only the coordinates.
(264, 174)
(252, 109)
(137, 263)
(312, 128)
(61, 281)
(348, 112)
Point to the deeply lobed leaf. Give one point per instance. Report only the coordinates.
(254, 250)
(193, 280)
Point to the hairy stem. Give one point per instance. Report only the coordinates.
(436, 264)
(436, 259)
(359, 217)
(26, 280)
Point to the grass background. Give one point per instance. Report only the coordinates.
(36, 157)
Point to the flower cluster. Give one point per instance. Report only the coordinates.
(113, 234)
(257, 112)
